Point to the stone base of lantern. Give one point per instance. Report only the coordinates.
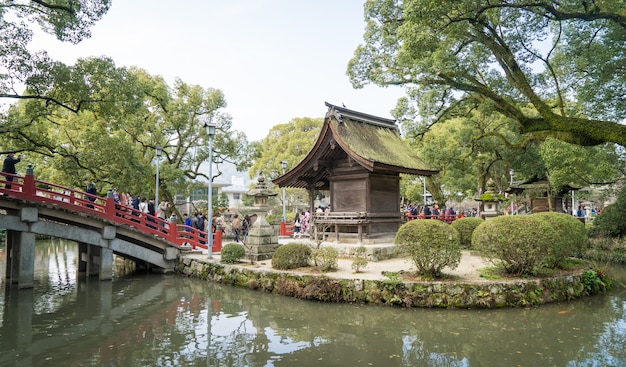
(261, 244)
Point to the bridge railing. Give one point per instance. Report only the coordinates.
(442, 217)
(286, 228)
(29, 189)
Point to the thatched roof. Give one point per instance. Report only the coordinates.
(372, 142)
(537, 184)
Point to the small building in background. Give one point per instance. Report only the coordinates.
(541, 197)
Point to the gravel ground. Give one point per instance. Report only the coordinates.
(466, 271)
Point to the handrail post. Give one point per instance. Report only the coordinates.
(30, 191)
(173, 232)
(109, 209)
(217, 242)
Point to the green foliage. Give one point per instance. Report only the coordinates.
(231, 253)
(490, 196)
(572, 236)
(34, 71)
(288, 142)
(444, 52)
(612, 221)
(465, 227)
(274, 218)
(519, 243)
(94, 142)
(291, 256)
(326, 258)
(464, 149)
(569, 164)
(392, 280)
(431, 244)
(360, 259)
(593, 281)
(412, 188)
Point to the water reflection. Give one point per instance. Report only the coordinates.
(158, 320)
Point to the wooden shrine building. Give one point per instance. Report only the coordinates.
(358, 158)
(541, 197)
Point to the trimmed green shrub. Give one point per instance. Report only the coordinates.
(274, 219)
(291, 256)
(231, 253)
(326, 258)
(465, 227)
(360, 259)
(572, 234)
(520, 243)
(431, 244)
(612, 221)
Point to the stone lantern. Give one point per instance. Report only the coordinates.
(490, 202)
(262, 241)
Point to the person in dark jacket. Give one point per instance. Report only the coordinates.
(9, 167)
(90, 188)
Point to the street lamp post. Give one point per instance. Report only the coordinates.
(511, 184)
(284, 165)
(425, 203)
(158, 149)
(210, 130)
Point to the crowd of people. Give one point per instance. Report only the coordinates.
(301, 224)
(240, 226)
(414, 211)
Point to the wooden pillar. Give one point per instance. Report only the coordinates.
(312, 199)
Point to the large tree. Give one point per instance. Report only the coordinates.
(25, 74)
(289, 142)
(115, 143)
(556, 67)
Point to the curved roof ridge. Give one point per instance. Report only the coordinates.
(374, 143)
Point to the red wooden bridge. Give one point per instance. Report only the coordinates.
(30, 207)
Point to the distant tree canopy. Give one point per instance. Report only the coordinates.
(288, 142)
(99, 120)
(115, 143)
(556, 68)
(25, 74)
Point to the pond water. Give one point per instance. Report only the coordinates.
(170, 320)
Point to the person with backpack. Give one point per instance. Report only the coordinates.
(236, 227)
(296, 225)
(197, 223)
(245, 226)
(91, 190)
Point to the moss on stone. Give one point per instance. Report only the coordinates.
(397, 293)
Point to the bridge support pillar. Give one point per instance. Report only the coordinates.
(106, 264)
(95, 260)
(20, 267)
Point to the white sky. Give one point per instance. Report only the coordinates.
(273, 59)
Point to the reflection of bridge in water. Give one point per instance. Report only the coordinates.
(100, 226)
(120, 320)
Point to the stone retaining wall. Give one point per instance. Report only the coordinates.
(391, 291)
